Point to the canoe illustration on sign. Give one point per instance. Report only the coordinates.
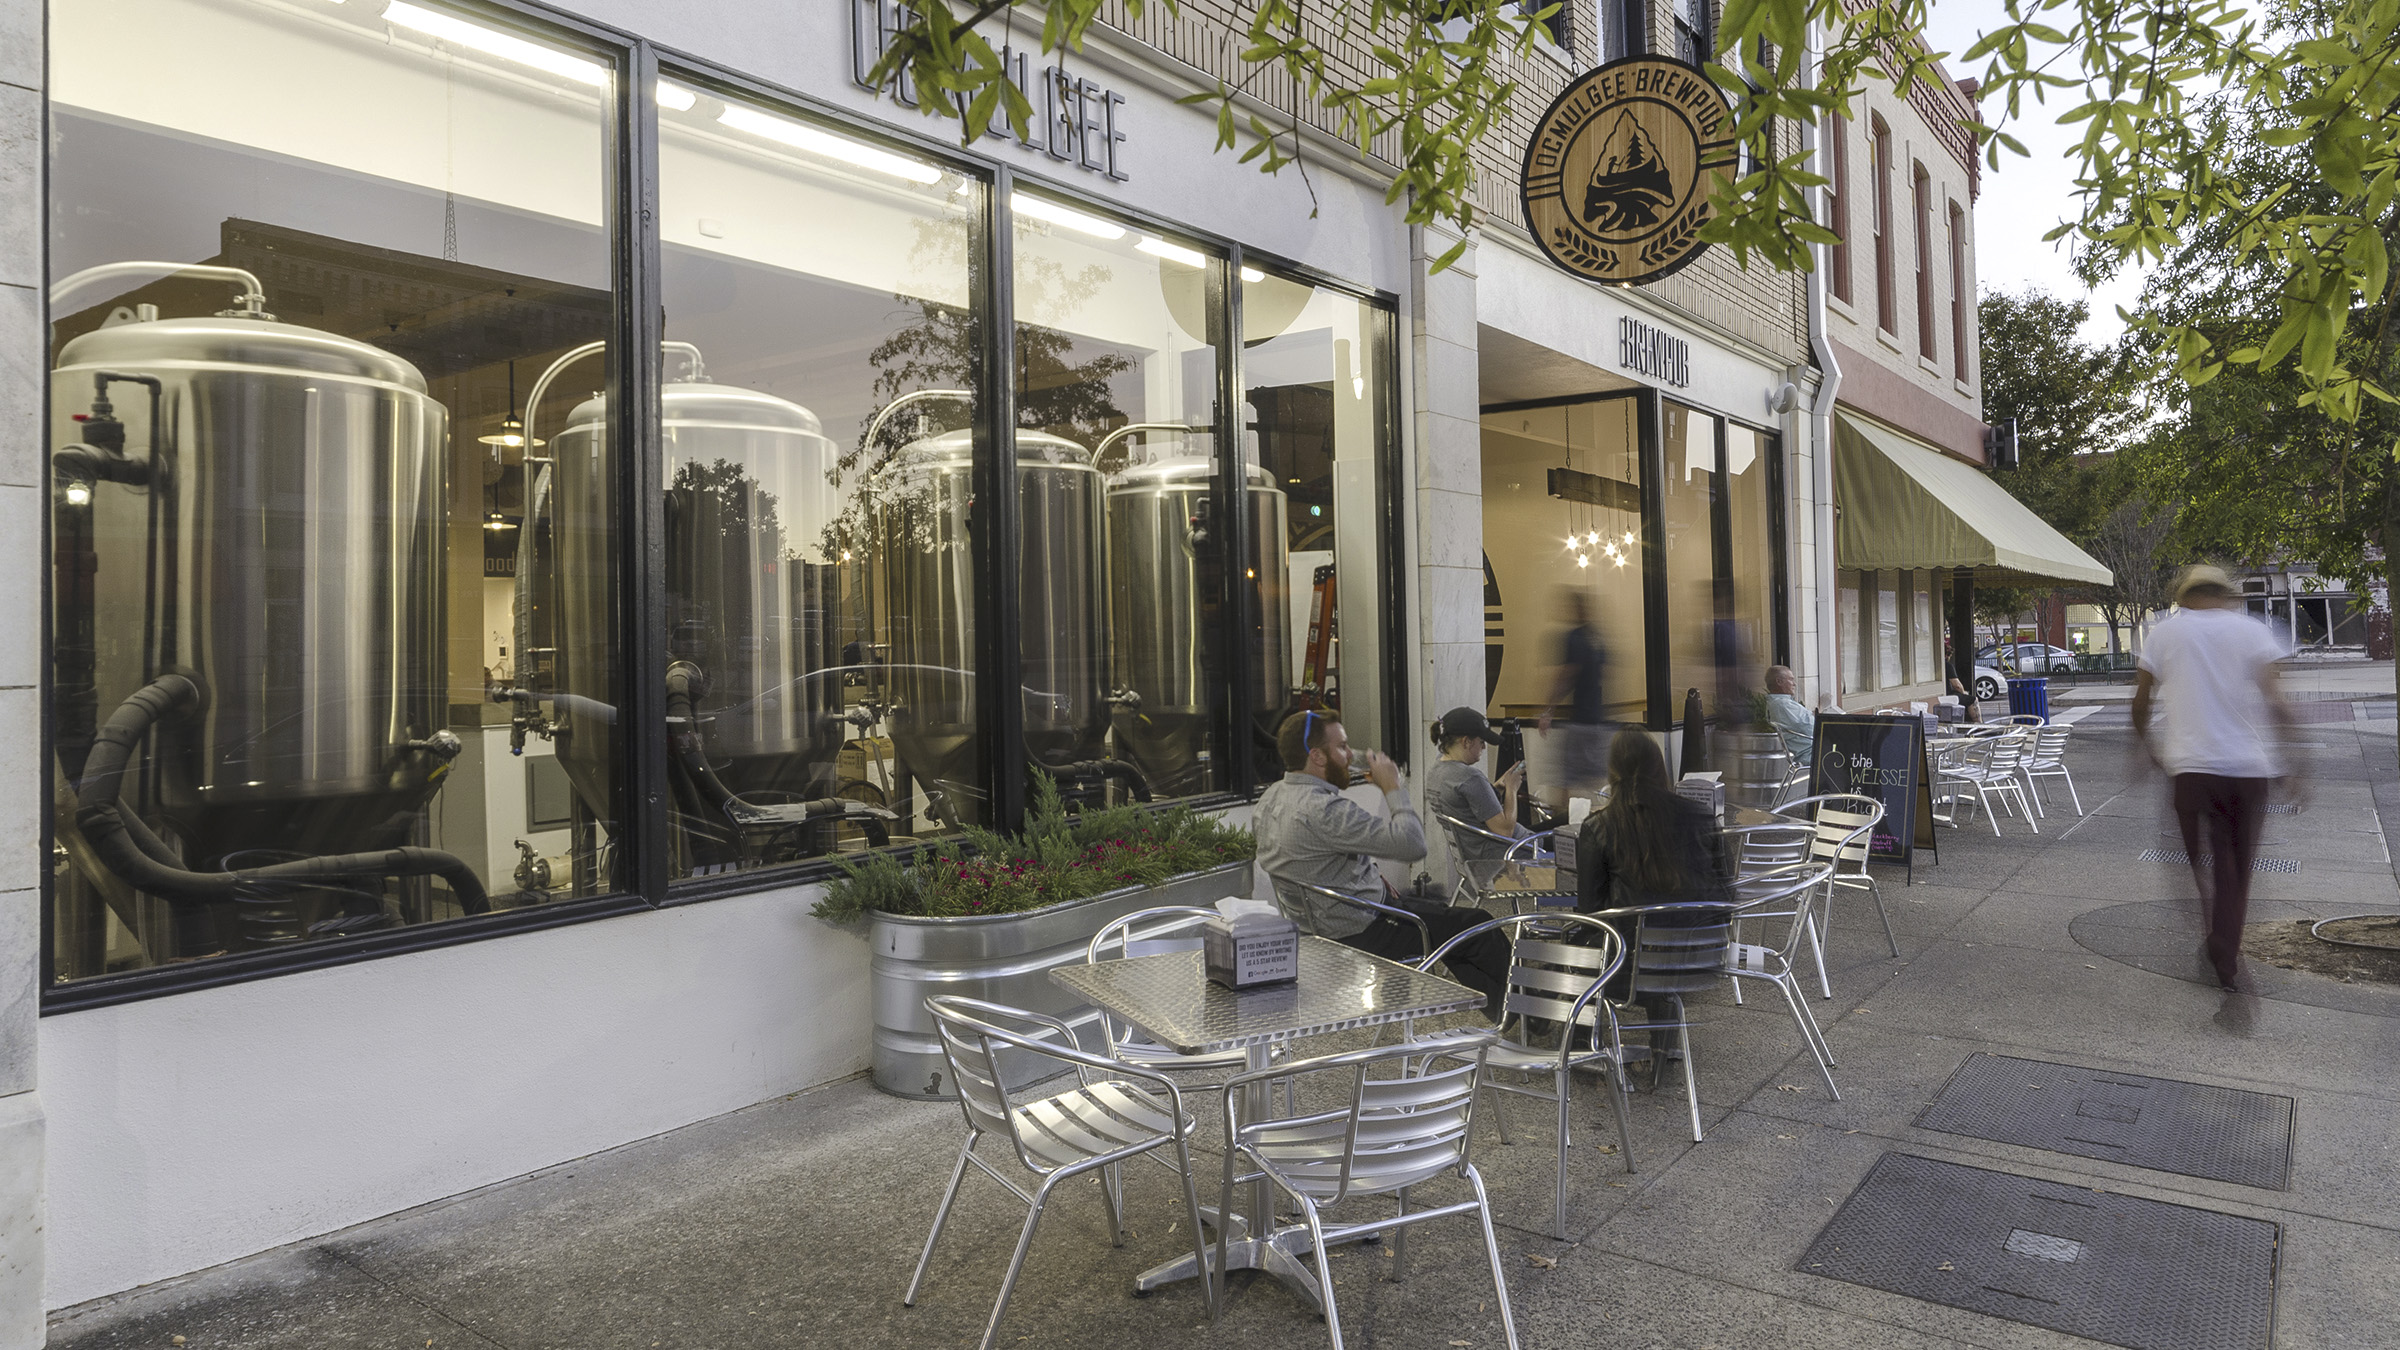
(1631, 186)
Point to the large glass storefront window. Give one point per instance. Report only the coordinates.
(818, 426)
(352, 491)
(330, 294)
(1120, 582)
(1316, 445)
(1723, 548)
(1562, 528)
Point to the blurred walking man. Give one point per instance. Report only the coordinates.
(2211, 670)
(1583, 739)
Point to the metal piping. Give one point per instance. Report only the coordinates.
(1820, 412)
(1100, 451)
(253, 300)
(133, 852)
(874, 428)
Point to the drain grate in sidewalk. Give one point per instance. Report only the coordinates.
(2131, 1272)
(2176, 856)
(2190, 1129)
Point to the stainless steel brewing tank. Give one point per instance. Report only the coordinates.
(567, 632)
(756, 593)
(300, 505)
(926, 604)
(1162, 576)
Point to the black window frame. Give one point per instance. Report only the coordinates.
(638, 325)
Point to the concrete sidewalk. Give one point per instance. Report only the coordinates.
(796, 1223)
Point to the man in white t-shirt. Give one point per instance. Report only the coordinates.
(2211, 670)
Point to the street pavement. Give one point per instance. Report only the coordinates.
(796, 1223)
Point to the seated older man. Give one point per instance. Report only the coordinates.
(1789, 716)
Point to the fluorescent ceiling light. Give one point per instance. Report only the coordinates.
(832, 147)
(675, 98)
(458, 32)
(1160, 248)
(1060, 215)
(1253, 274)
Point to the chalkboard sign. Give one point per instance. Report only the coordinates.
(1883, 758)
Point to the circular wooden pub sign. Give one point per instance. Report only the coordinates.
(1618, 173)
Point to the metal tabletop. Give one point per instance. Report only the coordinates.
(1171, 997)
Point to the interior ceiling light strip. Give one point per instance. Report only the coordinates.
(1175, 253)
(674, 97)
(491, 42)
(1074, 220)
(808, 138)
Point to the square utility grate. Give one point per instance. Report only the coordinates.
(2190, 1129)
(2131, 1272)
(2176, 856)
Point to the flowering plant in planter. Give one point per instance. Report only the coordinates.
(1057, 858)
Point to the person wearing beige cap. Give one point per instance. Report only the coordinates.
(2209, 672)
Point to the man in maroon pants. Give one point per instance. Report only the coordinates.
(2211, 670)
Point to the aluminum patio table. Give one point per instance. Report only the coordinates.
(1340, 988)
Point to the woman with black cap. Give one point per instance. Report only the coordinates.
(1456, 785)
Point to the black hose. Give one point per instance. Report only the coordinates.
(687, 684)
(1116, 770)
(134, 853)
(682, 706)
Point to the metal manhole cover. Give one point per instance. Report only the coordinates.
(2176, 856)
(2190, 1129)
(2131, 1272)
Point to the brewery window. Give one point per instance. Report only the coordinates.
(1879, 167)
(1562, 544)
(1921, 194)
(1722, 547)
(818, 441)
(318, 341)
(1316, 433)
(1120, 573)
(1837, 201)
(1960, 291)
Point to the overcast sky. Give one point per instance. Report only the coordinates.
(2029, 194)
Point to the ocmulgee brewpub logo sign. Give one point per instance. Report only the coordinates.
(1618, 172)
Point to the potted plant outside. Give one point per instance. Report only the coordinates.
(989, 916)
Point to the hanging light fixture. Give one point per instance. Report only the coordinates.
(511, 435)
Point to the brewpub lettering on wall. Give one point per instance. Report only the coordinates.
(1618, 172)
(1075, 120)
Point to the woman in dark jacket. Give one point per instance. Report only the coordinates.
(1648, 846)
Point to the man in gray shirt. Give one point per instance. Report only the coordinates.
(1309, 831)
(1789, 716)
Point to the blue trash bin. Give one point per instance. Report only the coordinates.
(2029, 694)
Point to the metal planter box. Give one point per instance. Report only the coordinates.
(1002, 958)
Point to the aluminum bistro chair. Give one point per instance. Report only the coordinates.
(1563, 982)
(1664, 961)
(2018, 720)
(1952, 783)
(1845, 823)
(1754, 849)
(1997, 775)
(2049, 760)
(1097, 1124)
(1395, 1133)
(1479, 879)
(1790, 891)
(1373, 908)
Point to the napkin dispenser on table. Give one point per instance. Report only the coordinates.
(1252, 945)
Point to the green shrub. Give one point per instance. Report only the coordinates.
(1058, 857)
